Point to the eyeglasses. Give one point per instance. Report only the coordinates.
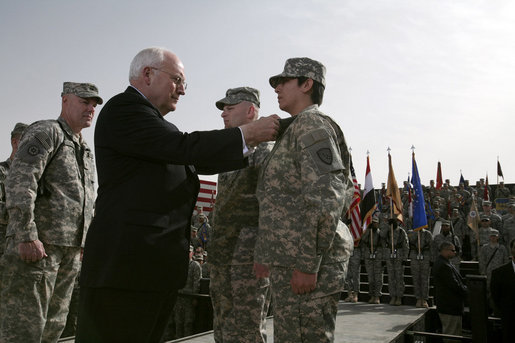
(175, 79)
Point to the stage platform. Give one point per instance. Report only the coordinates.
(357, 322)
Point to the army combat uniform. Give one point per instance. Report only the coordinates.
(50, 195)
(394, 262)
(240, 300)
(302, 190)
(420, 256)
(371, 251)
(4, 170)
(352, 279)
(184, 309)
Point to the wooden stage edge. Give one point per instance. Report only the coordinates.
(355, 323)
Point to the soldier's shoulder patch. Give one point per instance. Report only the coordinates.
(325, 155)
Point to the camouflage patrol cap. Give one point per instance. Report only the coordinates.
(83, 90)
(446, 222)
(485, 217)
(234, 96)
(301, 66)
(18, 129)
(487, 203)
(493, 232)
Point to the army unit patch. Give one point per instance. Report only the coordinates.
(325, 155)
(33, 150)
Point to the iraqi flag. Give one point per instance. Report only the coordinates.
(368, 203)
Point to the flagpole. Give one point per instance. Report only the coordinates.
(418, 232)
(497, 171)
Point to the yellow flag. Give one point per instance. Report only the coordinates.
(473, 218)
(392, 192)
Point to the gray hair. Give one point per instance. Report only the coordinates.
(149, 57)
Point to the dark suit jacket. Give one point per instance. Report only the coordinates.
(502, 288)
(139, 237)
(450, 290)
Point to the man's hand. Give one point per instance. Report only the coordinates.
(31, 251)
(261, 271)
(262, 130)
(302, 283)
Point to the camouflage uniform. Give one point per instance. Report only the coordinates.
(420, 264)
(491, 257)
(394, 262)
(303, 188)
(185, 306)
(372, 254)
(483, 234)
(352, 279)
(4, 170)
(240, 300)
(50, 195)
(508, 229)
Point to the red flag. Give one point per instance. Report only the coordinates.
(368, 205)
(486, 196)
(439, 182)
(499, 170)
(354, 213)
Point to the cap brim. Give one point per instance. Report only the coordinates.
(274, 80)
(225, 101)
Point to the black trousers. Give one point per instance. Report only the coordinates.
(108, 315)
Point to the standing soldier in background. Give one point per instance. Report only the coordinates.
(352, 279)
(420, 255)
(303, 188)
(185, 306)
(395, 254)
(4, 170)
(492, 255)
(52, 174)
(240, 300)
(508, 221)
(371, 251)
(447, 235)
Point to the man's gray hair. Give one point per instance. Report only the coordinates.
(149, 57)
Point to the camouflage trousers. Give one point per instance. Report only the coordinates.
(240, 304)
(395, 277)
(375, 276)
(184, 315)
(301, 318)
(352, 279)
(34, 297)
(420, 271)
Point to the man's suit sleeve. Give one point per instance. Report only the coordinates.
(133, 128)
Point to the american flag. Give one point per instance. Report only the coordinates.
(354, 212)
(206, 196)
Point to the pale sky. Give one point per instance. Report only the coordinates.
(437, 74)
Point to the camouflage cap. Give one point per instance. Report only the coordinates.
(487, 203)
(301, 66)
(234, 96)
(493, 232)
(83, 90)
(446, 222)
(485, 217)
(18, 129)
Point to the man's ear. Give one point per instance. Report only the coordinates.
(307, 86)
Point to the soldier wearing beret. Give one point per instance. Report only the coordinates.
(4, 170)
(303, 188)
(240, 301)
(50, 196)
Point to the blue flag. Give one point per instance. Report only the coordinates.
(419, 211)
(462, 179)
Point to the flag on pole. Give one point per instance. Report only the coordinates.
(392, 192)
(439, 181)
(473, 218)
(462, 179)
(410, 198)
(368, 204)
(353, 212)
(419, 209)
(486, 195)
(499, 170)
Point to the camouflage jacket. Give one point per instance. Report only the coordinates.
(194, 276)
(4, 170)
(400, 243)
(235, 222)
(50, 187)
(491, 257)
(302, 189)
(426, 240)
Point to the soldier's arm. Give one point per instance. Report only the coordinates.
(24, 181)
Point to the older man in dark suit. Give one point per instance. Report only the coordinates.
(450, 290)
(136, 253)
(502, 288)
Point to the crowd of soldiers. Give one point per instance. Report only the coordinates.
(396, 244)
